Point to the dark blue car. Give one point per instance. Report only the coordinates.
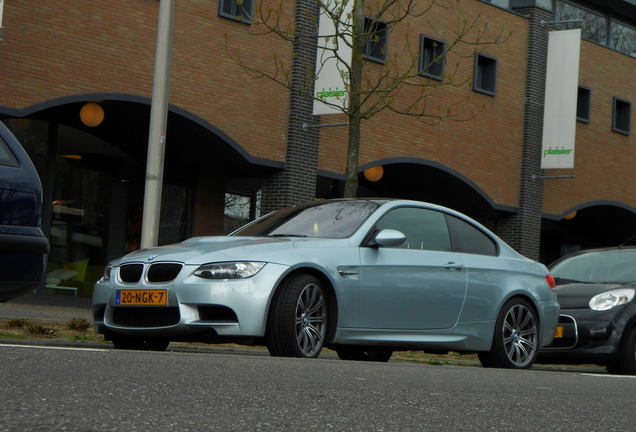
(23, 246)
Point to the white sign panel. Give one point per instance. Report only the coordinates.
(561, 93)
(1, 9)
(332, 77)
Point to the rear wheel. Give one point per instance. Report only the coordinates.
(626, 364)
(297, 321)
(364, 354)
(141, 344)
(515, 343)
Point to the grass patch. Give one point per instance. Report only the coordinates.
(78, 324)
(75, 329)
(15, 323)
(40, 329)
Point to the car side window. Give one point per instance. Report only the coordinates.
(469, 239)
(424, 229)
(7, 158)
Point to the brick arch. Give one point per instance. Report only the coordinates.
(426, 180)
(592, 224)
(126, 124)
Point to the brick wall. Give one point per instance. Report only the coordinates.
(297, 183)
(604, 160)
(55, 50)
(494, 133)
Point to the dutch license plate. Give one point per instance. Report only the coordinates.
(142, 297)
(558, 332)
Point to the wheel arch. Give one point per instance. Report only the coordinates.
(332, 300)
(630, 323)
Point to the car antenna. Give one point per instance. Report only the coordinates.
(627, 241)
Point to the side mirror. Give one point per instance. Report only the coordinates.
(390, 238)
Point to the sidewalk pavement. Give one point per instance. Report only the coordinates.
(47, 307)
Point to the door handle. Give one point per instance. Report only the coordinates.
(454, 266)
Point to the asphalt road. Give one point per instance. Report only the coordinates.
(59, 389)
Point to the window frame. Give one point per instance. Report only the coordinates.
(234, 15)
(371, 46)
(429, 51)
(621, 115)
(583, 104)
(485, 64)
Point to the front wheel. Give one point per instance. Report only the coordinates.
(364, 354)
(515, 343)
(297, 321)
(626, 364)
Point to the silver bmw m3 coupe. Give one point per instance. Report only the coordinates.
(364, 277)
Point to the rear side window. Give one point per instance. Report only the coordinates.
(7, 158)
(469, 239)
(424, 229)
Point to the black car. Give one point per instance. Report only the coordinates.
(596, 289)
(23, 246)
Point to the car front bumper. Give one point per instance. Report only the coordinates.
(196, 308)
(586, 336)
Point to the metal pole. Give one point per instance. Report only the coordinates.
(157, 132)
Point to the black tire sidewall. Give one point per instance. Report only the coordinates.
(497, 356)
(280, 335)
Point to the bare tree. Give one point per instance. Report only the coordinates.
(399, 83)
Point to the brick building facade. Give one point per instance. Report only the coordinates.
(233, 135)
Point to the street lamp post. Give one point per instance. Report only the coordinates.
(157, 131)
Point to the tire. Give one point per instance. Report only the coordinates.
(140, 344)
(364, 354)
(297, 321)
(626, 364)
(516, 339)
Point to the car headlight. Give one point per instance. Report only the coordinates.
(106, 275)
(229, 270)
(611, 299)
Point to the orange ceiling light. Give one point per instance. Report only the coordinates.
(374, 174)
(92, 114)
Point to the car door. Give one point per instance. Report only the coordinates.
(418, 285)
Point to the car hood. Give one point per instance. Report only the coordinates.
(200, 250)
(578, 295)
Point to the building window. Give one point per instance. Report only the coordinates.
(431, 57)
(583, 105)
(240, 10)
(621, 116)
(598, 25)
(240, 208)
(594, 27)
(376, 34)
(485, 75)
(623, 38)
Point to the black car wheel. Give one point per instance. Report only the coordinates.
(626, 364)
(515, 343)
(130, 343)
(364, 354)
(297, 321)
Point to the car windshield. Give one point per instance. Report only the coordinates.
(617, 266)
(330, 219)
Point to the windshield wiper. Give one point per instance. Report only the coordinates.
(288, 235)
